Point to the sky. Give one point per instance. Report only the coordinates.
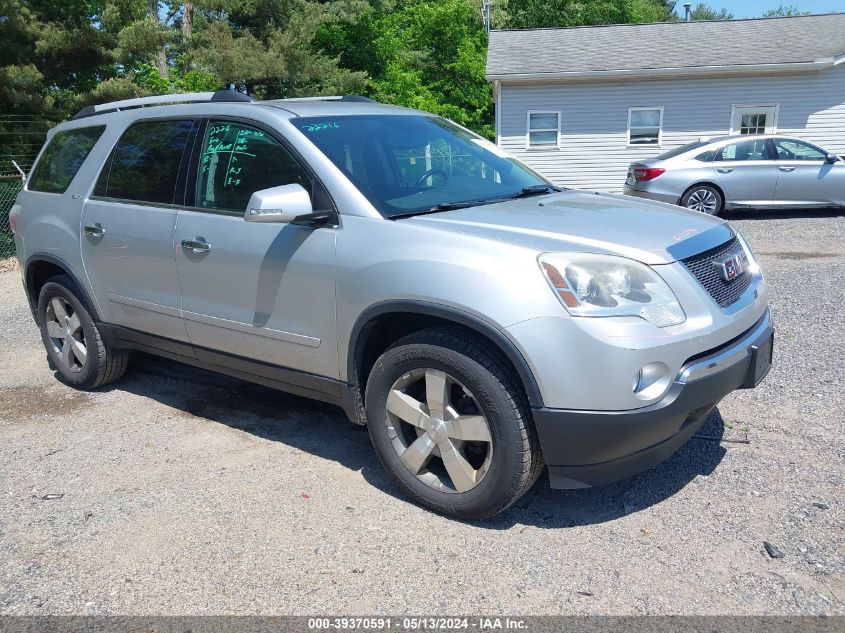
(755, 8)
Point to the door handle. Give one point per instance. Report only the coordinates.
(725, 170)
(198, 245)
(787, 168)
(95, 230)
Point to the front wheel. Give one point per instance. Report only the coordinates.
(703, 198)
(449, 423)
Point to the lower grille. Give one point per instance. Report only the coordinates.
(706, 268)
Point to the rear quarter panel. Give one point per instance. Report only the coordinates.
(49, 223)
(679, 176)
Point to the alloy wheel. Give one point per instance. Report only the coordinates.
(66, 333)
(438, 430)
(703, 200)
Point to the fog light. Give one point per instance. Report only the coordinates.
(652, 381)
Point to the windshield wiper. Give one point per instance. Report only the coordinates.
(535, 190)
(445, 206)
(525, 192)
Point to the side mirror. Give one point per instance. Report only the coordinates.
(831, 158)
(278, 204)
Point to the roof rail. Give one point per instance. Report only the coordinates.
(357, 98)
(187, 97)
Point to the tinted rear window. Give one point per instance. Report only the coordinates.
(145, 164)
(684, 148)
(62, 158)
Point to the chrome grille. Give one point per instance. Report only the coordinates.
(705, 269)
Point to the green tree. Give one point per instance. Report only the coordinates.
(266, 46)
(431, 55)
(784, 11)
(702, 11)
(527, 14)
(50, 52)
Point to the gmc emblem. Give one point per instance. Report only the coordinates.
(732, 267)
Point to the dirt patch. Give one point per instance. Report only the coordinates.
(9, 264)
(800, 255)
(21, 402)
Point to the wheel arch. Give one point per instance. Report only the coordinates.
(39, 268)
(377, 327)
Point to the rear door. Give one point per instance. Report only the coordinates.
(747, 172)
(805, 178)
(128, 225)
(262, 291)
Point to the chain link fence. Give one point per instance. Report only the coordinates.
(21, 136)
(9, 188)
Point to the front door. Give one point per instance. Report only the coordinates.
(128, 225)
(265, 292)
(747, 172)
(805, 178)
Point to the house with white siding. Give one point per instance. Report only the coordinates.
(580, 104)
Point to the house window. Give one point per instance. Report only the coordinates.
(752, 124)
(543, 129)
(754, 119)
(645, 126)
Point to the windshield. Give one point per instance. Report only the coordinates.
(406, 164)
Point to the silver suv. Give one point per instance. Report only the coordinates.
(481, 322)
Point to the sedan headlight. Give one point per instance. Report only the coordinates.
(604, 285)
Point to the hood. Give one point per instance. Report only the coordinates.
(650, 232)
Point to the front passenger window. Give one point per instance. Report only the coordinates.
(238, 160)
(797, 150)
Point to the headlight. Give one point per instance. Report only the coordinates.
(604, 285)
(752, 267)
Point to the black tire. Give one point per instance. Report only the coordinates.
(102, 364)
(515, 461)
(704, 199)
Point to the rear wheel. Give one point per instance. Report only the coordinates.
(449, 423)
(74, 346)
(703, 198)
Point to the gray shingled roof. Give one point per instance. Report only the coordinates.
(643, 47)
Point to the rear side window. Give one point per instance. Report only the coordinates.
(680, 150)
(62, 159)
(145, 163)
(756, 149)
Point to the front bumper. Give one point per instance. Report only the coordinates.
(593, 448)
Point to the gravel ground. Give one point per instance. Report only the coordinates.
(9, 264)
(172, 493)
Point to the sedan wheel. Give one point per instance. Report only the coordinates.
(437, 430)
(703, 199)
(64, 328)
